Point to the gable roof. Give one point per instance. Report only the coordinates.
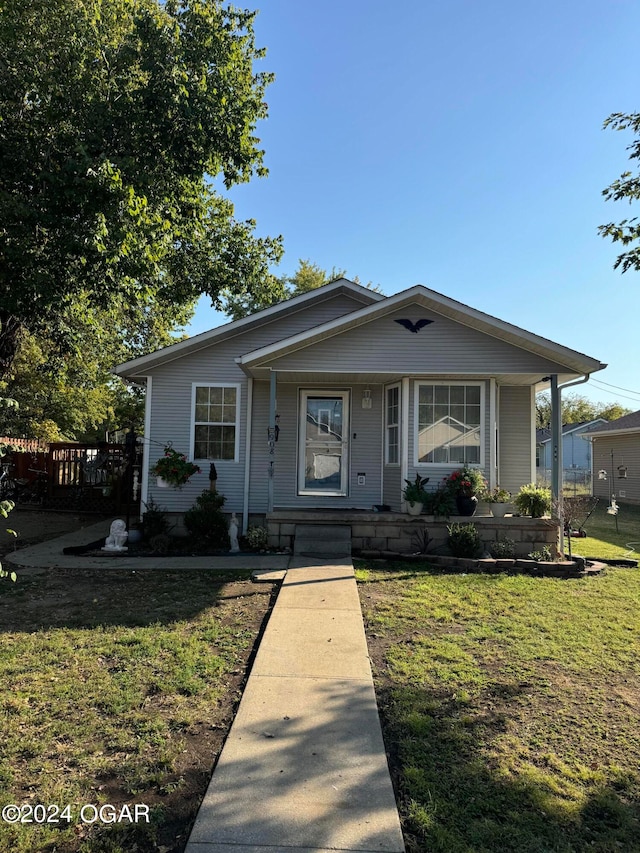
(137, 366)
(543, 435)
(572, 362)
(627, 423)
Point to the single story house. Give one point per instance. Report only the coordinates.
(616, 459)
(331, 399)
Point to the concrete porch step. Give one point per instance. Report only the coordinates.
(322, 540)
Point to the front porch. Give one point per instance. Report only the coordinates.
(401, 533)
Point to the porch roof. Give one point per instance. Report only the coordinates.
(568, 364)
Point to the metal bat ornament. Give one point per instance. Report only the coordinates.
(414, 327)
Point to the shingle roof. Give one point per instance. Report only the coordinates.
(626, 422)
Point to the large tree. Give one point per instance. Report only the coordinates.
(625, 188)
(308, 276)
(116, 118)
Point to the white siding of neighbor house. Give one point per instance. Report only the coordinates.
(170, 414)
(626, 452)
(442, 347)
(516, 454)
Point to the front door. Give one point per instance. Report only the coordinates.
(324, 434)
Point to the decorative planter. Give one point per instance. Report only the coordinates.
(162, 484)
(499, 510)
(466, 505)
(414, 507)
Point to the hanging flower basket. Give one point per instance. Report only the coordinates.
(173, 469)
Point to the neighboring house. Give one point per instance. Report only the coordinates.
(333, 398)
(576, 449)
(616, 452)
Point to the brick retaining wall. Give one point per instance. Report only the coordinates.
(390, 531)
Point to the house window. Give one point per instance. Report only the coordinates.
(215, 422)
(449, 419)
(392, 425)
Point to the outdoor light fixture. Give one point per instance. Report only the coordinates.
(366, 399)
(602, 475)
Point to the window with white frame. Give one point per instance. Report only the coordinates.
(392, 425)
(215, 422)
(449, 423)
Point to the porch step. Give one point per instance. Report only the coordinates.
(322, 540)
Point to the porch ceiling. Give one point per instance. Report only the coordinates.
(322, 377)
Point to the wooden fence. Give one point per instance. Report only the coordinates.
(73, 476)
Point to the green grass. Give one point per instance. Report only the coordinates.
(604, 540)
(117, 687)
(509, 707)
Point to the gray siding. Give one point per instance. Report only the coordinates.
(392, 491)
(515, 424)
(365, 450)
(171, 400)
(626, 452)
(444, 346)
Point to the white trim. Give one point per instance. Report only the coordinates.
(192, 422)
(493, 437)
(453, 465)
(345, 461)
(404, 424)
(385, 425)
(439, 304)
(247, 456)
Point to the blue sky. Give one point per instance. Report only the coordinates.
(458, 145)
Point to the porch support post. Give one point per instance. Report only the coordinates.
(271, 435)
(556, 452)
(493, 439)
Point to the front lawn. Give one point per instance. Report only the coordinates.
(509, 707)
(117, 687)
(606, 540)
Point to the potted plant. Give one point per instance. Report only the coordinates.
(173, 469)
(464, 485)
(498, 500)
(414, 494)
(533, 500)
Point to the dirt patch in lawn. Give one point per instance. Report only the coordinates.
(118, 687)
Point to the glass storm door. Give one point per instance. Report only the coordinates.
(324, 432)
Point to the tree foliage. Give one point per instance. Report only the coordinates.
(115, 118)
(625, 188)
(307, 277)
(576, 409)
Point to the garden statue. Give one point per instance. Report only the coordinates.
(117, 537)
(233, 534)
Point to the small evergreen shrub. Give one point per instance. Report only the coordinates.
(503, 548)
(256, 538)
(464, 540)
(206, 522)
(154, 521)
(543, 555)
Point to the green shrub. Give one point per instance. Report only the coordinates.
(206, 522)
(503, 548)
(154, 521)
(464, 540)
(544, 554)
(533, 500)
(440, 503)
(256, 538)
